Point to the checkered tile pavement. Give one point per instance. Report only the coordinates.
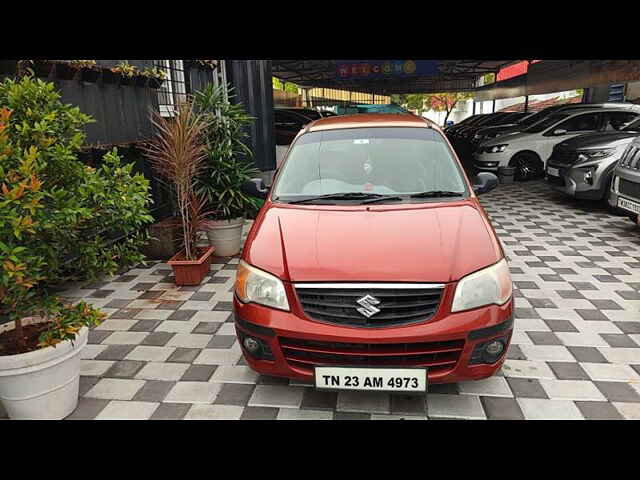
(171, 353)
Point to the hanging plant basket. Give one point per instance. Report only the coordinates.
(140, 81)
(154, 82)
(89, 75)
(108, 76)
(125, 80)
(64, 71)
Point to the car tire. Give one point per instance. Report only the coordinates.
(528, 166)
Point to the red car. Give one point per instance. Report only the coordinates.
(372, 265)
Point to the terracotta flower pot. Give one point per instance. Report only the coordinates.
(191, 272)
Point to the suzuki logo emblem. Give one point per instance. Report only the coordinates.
(368, 309)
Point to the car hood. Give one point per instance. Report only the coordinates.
(499, 129)
(509, 137)
(596, 140)
(410, 243)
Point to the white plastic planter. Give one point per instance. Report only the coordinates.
(43, 384)
(226, 236)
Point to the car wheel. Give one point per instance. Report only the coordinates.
(528, 166)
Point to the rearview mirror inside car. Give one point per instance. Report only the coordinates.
(484, 182)
(255, 188)
(559, 131)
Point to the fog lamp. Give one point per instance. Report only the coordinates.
(494, 348)
(251, 344)
(588, 177)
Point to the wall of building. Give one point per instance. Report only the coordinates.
(253, 87)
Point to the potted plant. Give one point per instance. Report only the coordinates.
(89, 71)
(57, 216)
(228, 168)
(126, 71)
(40, 359)
(177, 155)
(155, 76)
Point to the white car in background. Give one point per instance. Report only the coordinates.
(529, 150)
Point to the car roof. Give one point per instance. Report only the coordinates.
(581, 111)
(364, 120)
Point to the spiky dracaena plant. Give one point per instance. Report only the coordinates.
(177, 154)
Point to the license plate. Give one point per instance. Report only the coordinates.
(374, 379)
(553, 171)
(629, 205)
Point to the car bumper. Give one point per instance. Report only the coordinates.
(615, 193)
(491, 162)
(572, 181)
(279, 329)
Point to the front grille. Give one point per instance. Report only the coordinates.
(625, 187)
(397, 306)
(563, 156)
(437, 356)
(631, 158)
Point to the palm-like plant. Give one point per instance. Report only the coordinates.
(228, 165)
(178, 154)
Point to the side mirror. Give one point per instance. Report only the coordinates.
(255, 188)
(484, 182)
(559, 131)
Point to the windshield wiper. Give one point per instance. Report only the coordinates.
(381, 199)
(436, 194)
(341, 196)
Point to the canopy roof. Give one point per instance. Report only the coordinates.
(430, 76)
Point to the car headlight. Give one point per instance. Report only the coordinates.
(496, 148)
(491, 285)
(586, 155)
(254, 285)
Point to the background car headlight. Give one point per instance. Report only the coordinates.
(495, 148)
(491, 285)
(254, 285)
(585, 155)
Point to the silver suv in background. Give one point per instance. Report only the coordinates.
(583, 166)
(625, 186)
(529, 150)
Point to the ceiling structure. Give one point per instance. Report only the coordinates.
(451, 75)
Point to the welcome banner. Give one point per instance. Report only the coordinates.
(366, 69)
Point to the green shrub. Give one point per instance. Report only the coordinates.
(57, 215)
(228, 164)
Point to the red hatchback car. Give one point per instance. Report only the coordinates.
(372, 265)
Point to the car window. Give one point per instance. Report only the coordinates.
(580, 123)
(615, 121)
(368, 160)
(546, 122)
(633, 127)
(287, 119)
(308, 113)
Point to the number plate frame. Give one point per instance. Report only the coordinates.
(376, 371)
(629, 205)
(554, 172)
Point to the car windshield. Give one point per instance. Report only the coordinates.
(547, 122)
(633, 127)
(536, 117)
(369, 161)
